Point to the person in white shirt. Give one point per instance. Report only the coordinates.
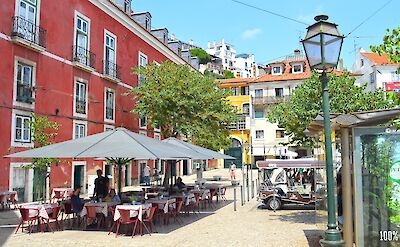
(146, 173)
(232, 171)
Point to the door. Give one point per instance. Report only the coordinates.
(38, 184)
(79, 177)
(185, 167)
(234, 152)
(27, 20)
(19, 176)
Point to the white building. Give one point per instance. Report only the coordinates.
(245, 66)
(377, 71)
(225, 51)
(268, 90)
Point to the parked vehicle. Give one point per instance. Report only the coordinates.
(290, 182)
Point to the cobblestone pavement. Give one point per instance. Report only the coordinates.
(250, 225)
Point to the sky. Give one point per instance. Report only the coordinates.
(266, 36)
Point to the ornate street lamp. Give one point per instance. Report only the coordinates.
(322, 46)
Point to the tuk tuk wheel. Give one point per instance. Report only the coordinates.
(274, 203)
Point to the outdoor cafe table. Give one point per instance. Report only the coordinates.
(162, 203)
(65, 191)
(203, 192)
(43, 209)
(142, 208)
(4, 195)
(187, 198)
(101, 207)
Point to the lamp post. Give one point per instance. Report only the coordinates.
(322, 45)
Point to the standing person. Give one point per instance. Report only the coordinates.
(100, 186)
(232, 170)
(156, 175)
(146, 173)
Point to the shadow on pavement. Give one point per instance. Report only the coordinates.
(313, 237)
(9, 220)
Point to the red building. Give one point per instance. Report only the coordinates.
(73, 64)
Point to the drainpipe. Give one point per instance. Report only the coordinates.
(346, 189)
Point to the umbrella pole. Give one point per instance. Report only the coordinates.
(119, 163)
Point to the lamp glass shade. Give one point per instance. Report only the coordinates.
(332, 46)
(312, 48)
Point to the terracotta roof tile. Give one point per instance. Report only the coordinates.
(376, 58)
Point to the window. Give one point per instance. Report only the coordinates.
(24, 83)
(142, 122)
(279, 92)
(280, 133)
(244, 90)
(395, 76)
(26, 21)
(80, 97)
(157, 136)
(110, 102)
(297, 68)
(22, 128)
(259, 113)
(79, 130)
(259, 134)
(110, 60)
(372, 78)
(362, 62)
(142, 63)
(246, 108)
(241, 124)
(276, 70)
(258, 93)
(235, 91)
(81, 51)
(108, 127)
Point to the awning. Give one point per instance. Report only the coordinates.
(296, 163)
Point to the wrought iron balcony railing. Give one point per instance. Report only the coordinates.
(80, 106)
(112, 70)
(83, 56)
(28, 31)
(24, 93)
(263, 100)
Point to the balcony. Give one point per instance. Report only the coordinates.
(28, 34)
(80, 106)
(111, 71)
(83, 58)
(265, 100)
(24, 93)
(241, 124)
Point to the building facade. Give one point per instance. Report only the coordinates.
(245, 66)
(377, 72)
(240, 130)
(72, 64)
(275, 86)
(225, 51)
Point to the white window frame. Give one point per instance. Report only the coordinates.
(301, 68)
(108, 127)
(37, 18)
(82, 16)
(280, 70)
(141, 54)
(158, 135)
(83, 81)
(235, 91)
(30, 63)
(14, 142)
(110, 34)
(140, 123)
(258, 90)
(260, 131)
(282, 130)
(107, 90)
(75, 122)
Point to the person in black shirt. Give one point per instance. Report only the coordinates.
(100, 185)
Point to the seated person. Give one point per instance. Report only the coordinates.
(76, 202)
(113, 197)
(179, 183)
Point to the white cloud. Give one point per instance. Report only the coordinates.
(251, 33)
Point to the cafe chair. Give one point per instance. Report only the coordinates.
(175, 213)
(149, 219)
(125, 219)
(28, 219)
(58, 195)
(91, 214)
(54, 218)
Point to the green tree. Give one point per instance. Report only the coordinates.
(183, 102)
(201, 54)
(306, 102)
(228, 74)
(390, 45)
(43, 133)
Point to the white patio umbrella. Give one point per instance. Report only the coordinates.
(119, 145)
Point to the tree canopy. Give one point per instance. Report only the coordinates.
(183, 102)
(390, 45)
(201, 54)
(306, 103)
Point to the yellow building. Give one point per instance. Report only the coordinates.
(239, 131)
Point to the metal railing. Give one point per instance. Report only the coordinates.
(111, 69)
(28, 31)
(270, 99)
(83, 56)
(80, 106)
(24, 93)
